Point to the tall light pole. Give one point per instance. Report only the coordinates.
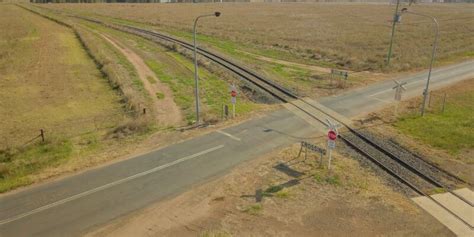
(396, 19)
(196, 76)
(433, 54)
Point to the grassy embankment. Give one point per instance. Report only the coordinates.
(444, 138)
(451, 130)
(50, 82)
(176, 71)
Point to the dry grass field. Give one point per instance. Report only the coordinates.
(47, 81)
(87, 104)
(352, 36)
(47, 77)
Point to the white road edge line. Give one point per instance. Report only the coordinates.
(229, 135)
(384, 101)
(380, 92)
(106, 186)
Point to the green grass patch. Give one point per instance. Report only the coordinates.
(333, 179)
(283, 194)
(214, 91)
(450, 131)
(21, 166)
(438, 190)
(238, 49)
(215, 233)
(254, 209)
(17, 165)
(274, 189)
(160, 95)
(180, 85)
(151, 80)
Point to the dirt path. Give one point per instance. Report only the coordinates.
(166, 110)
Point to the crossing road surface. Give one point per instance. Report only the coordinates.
(76, 204)
(80, 203)
(376, 96)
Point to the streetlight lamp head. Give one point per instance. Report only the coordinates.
(217, 14)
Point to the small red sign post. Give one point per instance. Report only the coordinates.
(233, 94)
(332, 135)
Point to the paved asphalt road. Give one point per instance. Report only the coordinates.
(73, 205)
(80, 203)
(373, 97)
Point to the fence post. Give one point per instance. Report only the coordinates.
(42, 135)
(223, 111)
(95, 123)
(444, 103)
(226, 111)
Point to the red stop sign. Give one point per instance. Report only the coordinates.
(332, 135)
(233, 93)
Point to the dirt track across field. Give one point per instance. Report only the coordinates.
(166, 110)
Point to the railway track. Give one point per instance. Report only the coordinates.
(419, 176)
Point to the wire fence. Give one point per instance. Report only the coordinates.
(436, 103)
(20, 137)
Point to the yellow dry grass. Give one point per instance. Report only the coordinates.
(47, 80)
(354, 36)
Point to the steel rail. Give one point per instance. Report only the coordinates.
(231, 66)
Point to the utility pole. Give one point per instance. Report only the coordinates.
(396, 18)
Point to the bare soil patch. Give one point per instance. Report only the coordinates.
(350, 202)
(166, 111)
